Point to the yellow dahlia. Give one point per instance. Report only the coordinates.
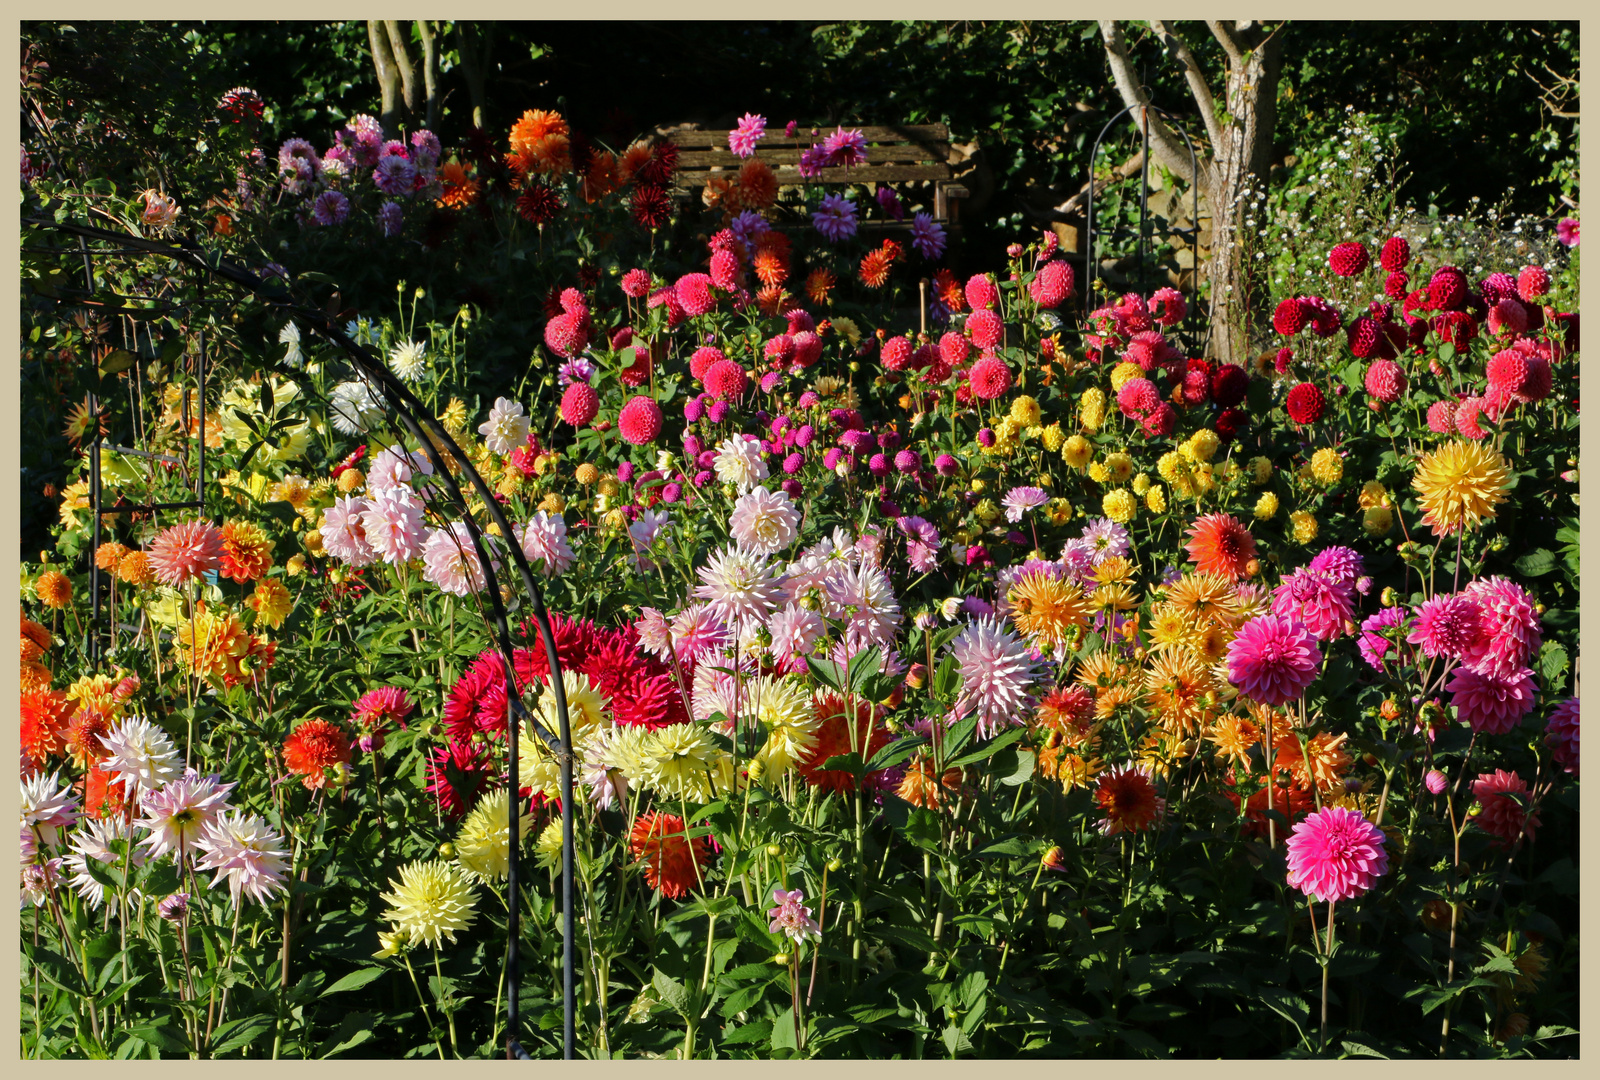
(1304, 526)
(1123, 372)
(483, 846)
(1327, 467)
(1266, 506)
(1460, 484)
(271, 601)
(1156, 500)
(1025, 410)
(1119, 505)
(1053, 437)
(430, 903)
(1046, 609)
(1077, 451)
(1092, 408)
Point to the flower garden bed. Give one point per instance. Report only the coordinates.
(1012, 683)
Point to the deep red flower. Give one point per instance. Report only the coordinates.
(1396, 253)
(539, 203)
(1305, 404)
(1349, 258)
(1447, 289)
(651, 207)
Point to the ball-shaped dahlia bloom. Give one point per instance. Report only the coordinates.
(1273, 659)
(1290, 317)
(1228, 385)
(1305, 403)
(579, 404)
(986, 328)
(1533, 282)
(1385, 381)
(567, 335)
(1349, 258)
(989, 378)
(1052, 284)
(726, 379)
(1561, 735)
(980, 292)
(1500, 813)
(1336, 854)
(1395, 254)
(640, 421)
(1447, 289)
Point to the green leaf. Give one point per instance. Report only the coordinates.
(783, 1031)
(672, 993)
(999, 742)
(354, 1029)
(1553, 663)
(237, 1034)
(358, 978)
(1536, 562)
(117, 360)
(754, 1032)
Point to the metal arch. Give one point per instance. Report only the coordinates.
(1092, 267)
(416, 418)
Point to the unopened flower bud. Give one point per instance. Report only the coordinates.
(774, 850)
(835, 864)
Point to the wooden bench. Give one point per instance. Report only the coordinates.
(895, 155)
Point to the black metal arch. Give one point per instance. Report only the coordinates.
(430, 434)
(1092, 269)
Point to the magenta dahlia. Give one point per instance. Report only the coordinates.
(1501, 806)
(1491, 705)
(1336, 854)
(1349, 258)
(1561, 735)
(640, 421)
(1273, 659)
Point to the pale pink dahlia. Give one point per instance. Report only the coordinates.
(178, 814)
(791, 917)
(184, 552)
(544, 543)
(795, 631)
(1490, 704)
(1273, 659)
(763, 521)
(996, 669)
(451, 562)
(392, 525)
(344, 534)
(739, 585)
(245, 851)
(1336, 854)
(655, 633)
(697, 631)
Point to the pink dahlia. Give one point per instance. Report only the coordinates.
(1449, 626)
(636, 283)
(1316, 600)
(1447, 289)
(1336, 854)
(1561, 735)
(896, 353)
(981, 292)
(1053, 284)
(694, 295)
(579, 404)
(845, 148)
(742, 139)
(1502, 798)
(1138, 397)
(344, 534)
(451, 562)
(377, 709)
(392, 525)
(990, 378)
(986, 328)
(1441, 417)
(567, 335)
(1167, 305)
(1567, 231)
(725, 270)
(1489, 704)
(996, 669)
(1385, 381)
(640, 421)
(1511, 623)
(726, 379)
(1532, 283)
(184, 552)
(1435, 781)
(1273, 659)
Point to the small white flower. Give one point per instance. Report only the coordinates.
(409, 360)
(507, 427)
(290, 336)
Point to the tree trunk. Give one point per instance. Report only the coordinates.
(476, 43)
(430, 72)
(402, 61)
(1241, 144)
(388, 74)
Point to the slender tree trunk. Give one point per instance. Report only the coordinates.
(476, 42)
(402, 61)
(388, 74)
(430, 72)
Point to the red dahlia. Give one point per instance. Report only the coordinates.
(640, 421)
(1447, 289)
(1532, 283)
(671, 860)
(1349, 258)
(1363, 335)
(1396, 284)
(1291, 317)
(539, 203)
(1396, 253)
(1228, 385)
(1306, 404)
(651, 208)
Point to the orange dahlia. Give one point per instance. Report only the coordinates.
(634, 158)
(135, 568)
(875, 269)
(1323, 763)
(535, 127)
(35, 676)
(772, 300)
(186, 551)
(923, 786)
(246, 551)
(1233, 736)
(671, 860)
(107, 555)
(271, 601)
(757, 185)
(1175, 688)
(771, 267)
(53, 589)
(1219, 544)
(833, 738)
(951, 293)
(44, 722)
(1127, 796)
(461, 189)
(1069, 711)
(210, 645)
(602, 177)
(819, 283)
(81, 740)
(104, 795)
(35, 640)
(312, 748)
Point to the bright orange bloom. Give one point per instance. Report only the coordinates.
(314, 746)
(819, 283)
(44, 723)
(772, 300)
(833, 739)
(602, 177)
(951, 293)
(634, 158)
(1129, 800)
(771, 268)
(82, 737)
(107, 555)
(35, 640)
(924, 787)
(875, 269)
(35, 676)
(1219, 544)
(53, 589)
(1069, 710)
(136, 569)
(535, 126)
(670, 858)
(246, 551)
(461, 189)
(104, 795)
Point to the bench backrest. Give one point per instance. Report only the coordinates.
(894, 155)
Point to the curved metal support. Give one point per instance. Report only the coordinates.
(1092, 267)
(416, 417)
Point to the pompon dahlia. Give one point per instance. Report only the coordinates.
(1220, 544)
(1460, 484)
(1290, 317)
(981, 292)
(1273, 659)
(430, 903)
(985, 328)
(639, 422)
(1336, 854)
(1305, 403)
(1396, 253)
(671, 860)
(1349, 258)
(1441, 417)
(1052, 285)
(1532, 283)
(693, 292)
(726, 379)
(1502, 797)
(1489, 704)
(185, 552)
(312, 748)
(996, 670)
(579, 404)
(1447, 289)
(1386, 381)
(1127, 797)
(990, 377)
(1561, 735)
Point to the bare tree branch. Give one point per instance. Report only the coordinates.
(430, 71)
(1169, 150)
(1199, 89)
(402, 61)
(1230, 45)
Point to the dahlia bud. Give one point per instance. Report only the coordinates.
(447, 850)
(917, 676)
(756, 771)
(835, 864)
(774, 850)
(1435, 781)
(1499, 543)
(173, 908)
(1475, 809)
(1388, 598)
(1390, 709)
(1370, 759)
(781, 959)
(388, 944)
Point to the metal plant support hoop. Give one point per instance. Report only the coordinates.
(1142, 250)
(431, 435)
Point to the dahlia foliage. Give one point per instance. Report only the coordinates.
(863, 618)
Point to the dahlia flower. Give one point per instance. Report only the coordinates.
(739, 461)
(507, 426)
(1219, 544)
(450, 561)
(353, 407)
(1460, 484)
(671, 859)
(795, 631)
(1127, 796)
(483, 843)
(1502, 797)
(835, 218)
(178, 814)
(544, 543)
(861, 598)
(94, 842)
(643, 533)
(141, 754)
(430, 903)
(696, 632)
(996, 668)
(344, 533)
(48, 806)
(1448, 625)
(409, 360)
(243, 849)
(927, 236)
(764, 522)
(1020, 500)
(330, 208)
(790, 917)
(1273, 659)
(391, 524)
(1491, 704)
(1512, 632)
(1336, 854)
(1561, 734)
(739, 585)
(1374, 643)
(742, 139)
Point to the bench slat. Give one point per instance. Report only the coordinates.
(775, 137)
(791, 177)
(876, 155)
